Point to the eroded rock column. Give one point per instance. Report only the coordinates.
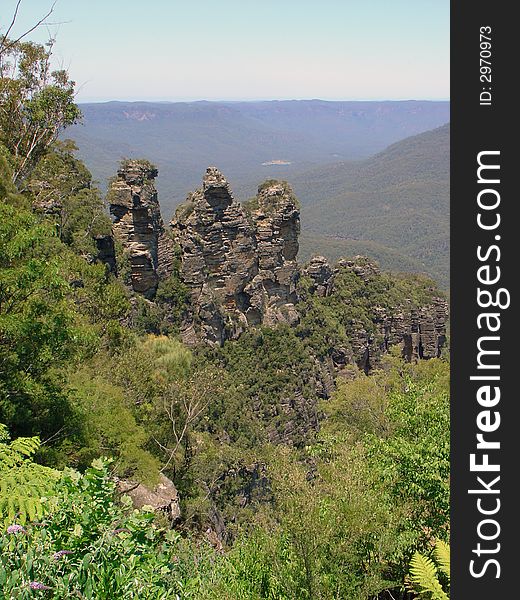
(218, 259)
(277, 227)
(239, 262)
(138, 225)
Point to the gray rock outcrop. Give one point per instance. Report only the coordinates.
(162, 497)
(138, 225)
(276, 219)
(321, 274)
(238, 262)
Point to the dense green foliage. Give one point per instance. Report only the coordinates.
(344, 516)
(269, 367)
(62, 185)
(24, 485)
(291, 485)
(89, 546)
(55, 309)
(37, 324)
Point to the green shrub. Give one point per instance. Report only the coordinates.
(90, 547)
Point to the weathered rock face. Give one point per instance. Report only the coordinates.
(277, 227)
(218, 257)
(321, 274)
(420, 332)
(240, 266)
(137, 223)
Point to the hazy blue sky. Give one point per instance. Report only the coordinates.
(249, 49)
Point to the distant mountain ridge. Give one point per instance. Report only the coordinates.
(393, 206)
(183, 138)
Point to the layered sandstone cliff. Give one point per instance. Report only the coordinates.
(240, 265)
(420, 332)
(138, 225)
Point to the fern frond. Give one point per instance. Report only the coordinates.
(23, 483)
(26, 446)
(423, 578)
(8, 459)
(442, 557)
(4, 433)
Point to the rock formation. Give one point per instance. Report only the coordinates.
(321, 274)
(240, 265)
(276, 219)
(420, 332)
(138, 225)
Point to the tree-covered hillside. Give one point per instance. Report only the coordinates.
(305, 459)
(396, 203)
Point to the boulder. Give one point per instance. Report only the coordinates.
(162, 497)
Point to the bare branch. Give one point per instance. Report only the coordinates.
(53, 436)
(6, 44)
(191, 402)
(13, 21)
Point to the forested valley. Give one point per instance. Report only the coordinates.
(222, 423)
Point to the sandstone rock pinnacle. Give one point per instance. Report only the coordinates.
(239, 262)
(138, 225)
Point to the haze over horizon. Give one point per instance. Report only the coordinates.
(168, 50)
(238, 100)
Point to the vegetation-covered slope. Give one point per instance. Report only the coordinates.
(396, 202)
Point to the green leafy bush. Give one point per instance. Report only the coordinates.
(90, 547)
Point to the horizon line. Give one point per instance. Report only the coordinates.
(97, 100)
